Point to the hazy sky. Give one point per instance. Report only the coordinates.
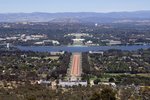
(7, 6)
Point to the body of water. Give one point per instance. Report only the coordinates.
(80, 48)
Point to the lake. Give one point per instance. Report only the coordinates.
(80, 48)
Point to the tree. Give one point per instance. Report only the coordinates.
(96, 81)
(108, 94)
(111, 80)
(145, 94)
(95, 96)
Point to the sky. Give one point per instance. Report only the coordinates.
(53, 6)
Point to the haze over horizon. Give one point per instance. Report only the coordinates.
(54, 6)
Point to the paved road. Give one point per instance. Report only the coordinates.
(75, 67)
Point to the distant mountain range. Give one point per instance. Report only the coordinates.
(76, 17)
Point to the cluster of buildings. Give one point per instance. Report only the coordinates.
(24, 37)
(112, 42)
(96, 52)
(37, 39)
(90, 43)
(43, 42)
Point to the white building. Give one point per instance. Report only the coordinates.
(39, 43)
(38, 36)
(96, 52)
(43, 82)
(54, 42)
(8, 45)
(89, 42)
(2, 39)
(72, 83)
(113, 42)
(108, 84)
(57, 53)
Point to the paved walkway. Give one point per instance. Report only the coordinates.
(75, 67)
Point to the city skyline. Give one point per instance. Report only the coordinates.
(54, 6)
